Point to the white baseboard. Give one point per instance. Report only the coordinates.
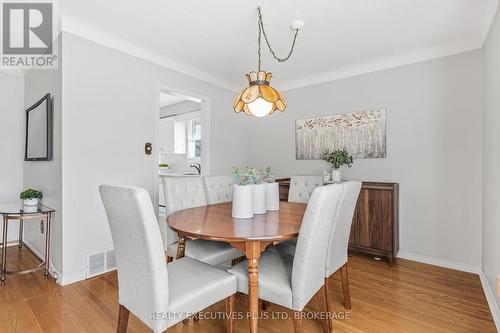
(52, 271)
(490, 297)
(72, 278)
(439, 262)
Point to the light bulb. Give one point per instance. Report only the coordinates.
(260, 107)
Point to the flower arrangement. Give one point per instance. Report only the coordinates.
(249, 176)
(267, 175)
(338, 158)
(30, 194)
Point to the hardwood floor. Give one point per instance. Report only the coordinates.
(409, 297)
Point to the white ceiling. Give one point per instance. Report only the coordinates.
(216, 40)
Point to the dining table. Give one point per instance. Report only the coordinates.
(251, 235)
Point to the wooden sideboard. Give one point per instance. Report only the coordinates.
(375, 224)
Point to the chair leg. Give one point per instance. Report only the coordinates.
(229, 313)
(169, 259)
(323, 309)
(328, 309)
(345, 287)
(297, 322)
(122, 319)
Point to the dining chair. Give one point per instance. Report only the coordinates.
(293, 281)
(301, 187)
(338, 241)
(218, 189)
(159, 294)
(188, 192)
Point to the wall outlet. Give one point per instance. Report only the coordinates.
(498, 286)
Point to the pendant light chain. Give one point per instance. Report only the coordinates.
(262, 31)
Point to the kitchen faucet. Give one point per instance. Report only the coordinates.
(197, 166)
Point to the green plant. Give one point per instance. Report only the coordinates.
(30, 194)
(267, 175)
(338, 158)
(247, 177)
(164, 165)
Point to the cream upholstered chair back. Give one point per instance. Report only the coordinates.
(339, 235)
(301, 187)
(142, 272)
(180, 193)
(310, 255)
(218, 189)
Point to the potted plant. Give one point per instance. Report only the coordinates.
(242, 194)
(258, 191)
(31, 197)
(337, 158)
(272, 190)
(164, 167)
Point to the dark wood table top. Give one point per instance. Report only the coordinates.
(214, 222)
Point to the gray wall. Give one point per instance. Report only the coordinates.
(12, 118)
(110, 111)
(434, 148)
(46, 175)
(491, 161)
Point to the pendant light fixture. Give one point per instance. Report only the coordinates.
(260, 98)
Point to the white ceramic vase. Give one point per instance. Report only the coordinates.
(31, 202)
(272, 196)
(259, 198)
(242, 201)
(336, 176)
(30, 209)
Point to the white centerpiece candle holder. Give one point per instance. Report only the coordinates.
(242, 201)
(272, 196)
(259, 198)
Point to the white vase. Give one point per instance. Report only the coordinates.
(259, 198)
(242, 201)
(30, 209)
(336, 176)
(272, 196)
(31, 202)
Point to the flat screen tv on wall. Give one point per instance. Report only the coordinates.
(39, 124)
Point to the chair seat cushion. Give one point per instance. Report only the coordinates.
(210, 252)
(194, 286)
(275, 276)
(287, 247)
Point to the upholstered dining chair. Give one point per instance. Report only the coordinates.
(301, 187)
(338, 241)
(159, 294)
(292, 281)
(218, 189)
(188, 192)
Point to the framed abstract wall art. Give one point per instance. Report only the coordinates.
(361, 133)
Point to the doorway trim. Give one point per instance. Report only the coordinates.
(205, 129)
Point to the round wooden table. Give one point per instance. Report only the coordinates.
(251, 236)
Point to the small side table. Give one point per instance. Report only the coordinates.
(16, 211)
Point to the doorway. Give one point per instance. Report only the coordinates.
(183, 137)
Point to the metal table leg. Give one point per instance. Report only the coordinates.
(21, 226)
(47, 246)
(4, 251)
